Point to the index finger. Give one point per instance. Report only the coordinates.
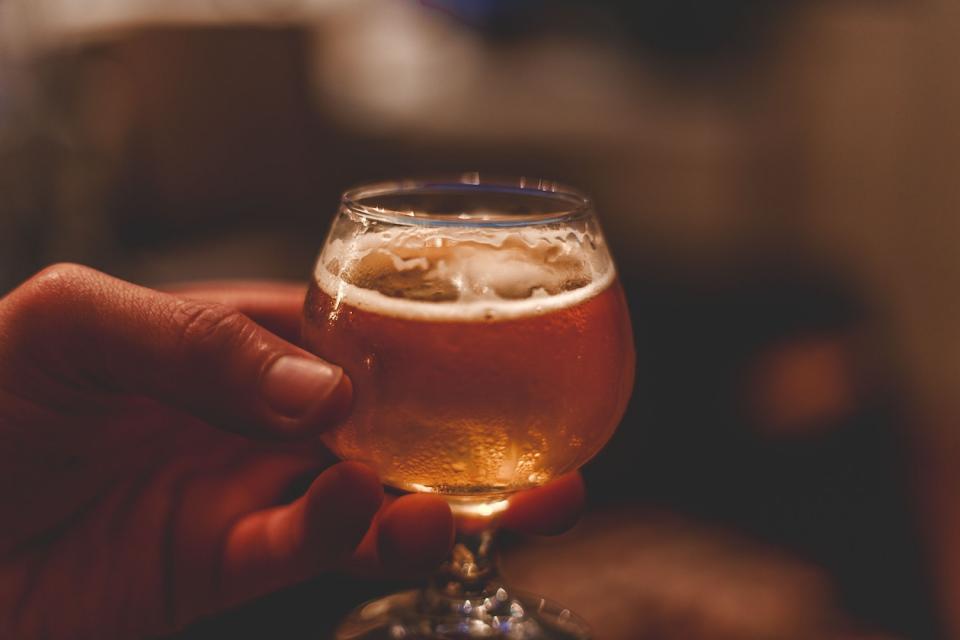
(413, 533)
(275, 305)
(547, 510)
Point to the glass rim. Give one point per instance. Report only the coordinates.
(574, 203)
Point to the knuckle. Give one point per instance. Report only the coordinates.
(51, 295)
(59, 282)
(64, 271)
(209, 327)
(48, 311)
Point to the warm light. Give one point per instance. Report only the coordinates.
(479, 509)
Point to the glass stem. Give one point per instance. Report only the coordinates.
(470, 571)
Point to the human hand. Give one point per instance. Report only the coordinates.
(153, 445)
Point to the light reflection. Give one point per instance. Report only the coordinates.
(464, 506)
(479, 509)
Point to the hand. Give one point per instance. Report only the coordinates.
(152, 445)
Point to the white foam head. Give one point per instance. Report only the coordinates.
(464, 273)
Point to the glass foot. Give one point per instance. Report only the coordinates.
(424, 615)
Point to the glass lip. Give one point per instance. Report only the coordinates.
(578, 203)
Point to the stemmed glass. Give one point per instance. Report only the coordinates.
(489, 345)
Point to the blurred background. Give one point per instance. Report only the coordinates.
(779, 182)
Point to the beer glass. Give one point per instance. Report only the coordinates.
(489, 345)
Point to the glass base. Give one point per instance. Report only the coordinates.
(426, 614)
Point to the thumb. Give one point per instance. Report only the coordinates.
(81, 329)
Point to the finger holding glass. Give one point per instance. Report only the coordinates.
(490, 350)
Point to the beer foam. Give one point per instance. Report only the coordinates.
(464, 274)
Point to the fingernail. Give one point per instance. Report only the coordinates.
(293, 386)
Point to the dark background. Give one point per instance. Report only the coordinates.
(776, 180)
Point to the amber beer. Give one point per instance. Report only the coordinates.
(480, 366)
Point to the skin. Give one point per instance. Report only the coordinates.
(151, 477)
